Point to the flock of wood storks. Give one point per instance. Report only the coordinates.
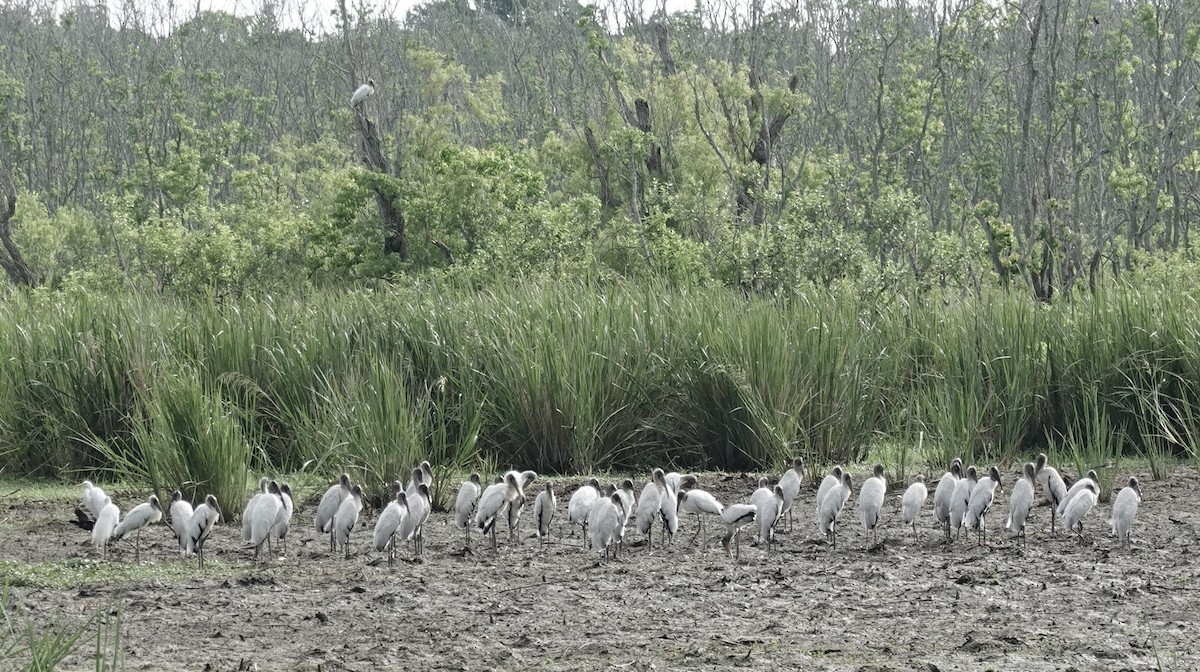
(962, 500)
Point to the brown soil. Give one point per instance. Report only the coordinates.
(902, 605)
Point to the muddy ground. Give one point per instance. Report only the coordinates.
(902, 605)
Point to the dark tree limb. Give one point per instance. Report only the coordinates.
(607, 199)
(389, 215)
(663, 42)
(10, 256)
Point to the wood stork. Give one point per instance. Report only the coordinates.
(768, 506)
(912, 502)
(247, 513)
(93, 499)
(106, 522)
(1124, 509)
(790, 483)
(283, 521)
(580, 504)
(200, 526)
(513, 514)
(419, 508)
(543, 512)
(962, 500)
(146, 513)
(1079, 507)
(328, 507)
(1076, 487)
(389, 522)
(677, 481)
(625, 492)
(362, 93)
(465, 503)
(735, 517)
(831, 507)
(668, 504)
(603, 520)
(943, 495)
(181, 513)
(347, 517)
(870, 501)
(700, 502)
(982, 497)
(1053, 486)
(648, 506)
(1020, 502)
(255, 499)
(765, 494)
(417, 478)
(832, 480)
(492, 503)
(263, 516)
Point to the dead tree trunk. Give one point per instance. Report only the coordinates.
(10, 256)
(390, 216)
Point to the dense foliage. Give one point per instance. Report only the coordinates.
(775, 146)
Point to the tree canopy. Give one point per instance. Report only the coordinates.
(1042, 144)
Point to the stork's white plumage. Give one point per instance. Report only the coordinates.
(831, 507)
(961, 500)
(1053, 487)
(255, 499)
(832, 480)
(1125, 507)
(327, 508)
(700, 502)
(106, 523)
(283, 521)
(870, 501)
(263, 516)
(465, 503)
(768, 506)
(419, 508)
(362, 93)
(943, 495)
(93, 499)
(200, 526)
(668, 504)
(1079, 507)
(677, 481)
(146, 513)
(625, 492)
(415, 481)
(493, 502)
(647, 509)
(181, 513)
(982, 497)
(912, 502)
(347, 517)
(543, 512)
(1020, 502)
(735, 517)
(389, 523)
(603, 520)
(1076, 487)
(580, 504)
(790, 484)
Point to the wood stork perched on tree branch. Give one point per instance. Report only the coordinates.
(362, 93)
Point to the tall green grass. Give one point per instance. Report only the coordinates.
(578, 378)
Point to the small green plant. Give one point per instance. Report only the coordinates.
(1093, 441)
(43, 646)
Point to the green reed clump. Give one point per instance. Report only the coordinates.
(581, 377)
(186, 435)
